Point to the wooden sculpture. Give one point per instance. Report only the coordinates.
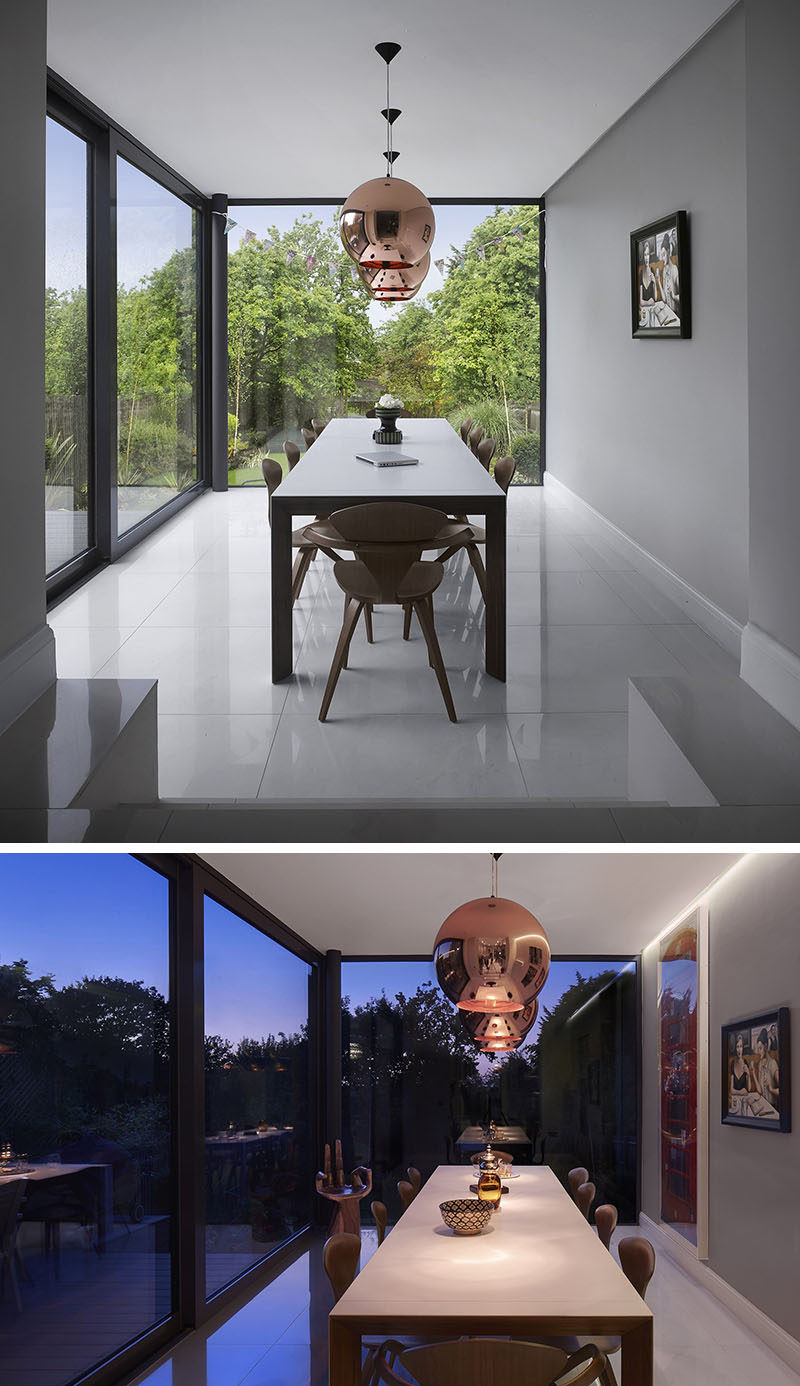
(345, 1197)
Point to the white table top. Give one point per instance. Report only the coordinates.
(539, 1259)
(54, 1171)
(446, 465)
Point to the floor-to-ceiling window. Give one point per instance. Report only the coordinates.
(67, 447)
(258, 1100)
(87, 1194)
(157, 316)
(413, 1082)
(305, 340)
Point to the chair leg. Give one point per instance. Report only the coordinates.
(407, 621)
(425, 618)
(474, 555)
(351, 615)
(368, 622)
(302, 563)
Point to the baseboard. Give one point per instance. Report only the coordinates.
(711, 618)
(776, 1338)
(772, 670)
(26, 671)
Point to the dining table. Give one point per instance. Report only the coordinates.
(101, 1174)
(473, 1138)
(446, 476)
(538, 1270)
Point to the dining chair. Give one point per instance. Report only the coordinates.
(638, 1260)
(318, 425)
(387, 538)
(490, 1362)
(605, 1220)
(504, 469)
(292, 453)
(406, 1192)
(485, 451)
(474, 438)
(340, 1256)
(12, 1196)
(576, 1177)
(584, 1197)
(414, 1179)
(306, 551)
(309, 437)
(464, 430)
(378, 1211)
(371, 414)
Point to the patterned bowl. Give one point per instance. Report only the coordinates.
(465, 1215)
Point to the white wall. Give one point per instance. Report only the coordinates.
(653, 434)
(27, 653)
(754, 966)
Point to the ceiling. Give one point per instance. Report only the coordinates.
(283, 100)
(394, 903)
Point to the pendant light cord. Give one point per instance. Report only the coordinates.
(388, 129)
(495, 873)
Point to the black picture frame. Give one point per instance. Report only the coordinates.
(741, 1109)
(666, 308)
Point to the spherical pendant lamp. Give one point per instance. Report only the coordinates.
(397, 285)
(491, 955)
(511, 1028)
(388, 223)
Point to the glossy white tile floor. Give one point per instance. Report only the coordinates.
(190, 607)
(278, 1338)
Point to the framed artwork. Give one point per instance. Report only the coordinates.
(660, 278)
(683, 1079)
(756, 1083)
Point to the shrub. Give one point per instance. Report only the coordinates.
(155, 448)
(525, 451)
(491, 416)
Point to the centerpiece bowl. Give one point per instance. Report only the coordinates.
(466, 1216)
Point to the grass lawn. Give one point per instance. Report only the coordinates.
(237, 476)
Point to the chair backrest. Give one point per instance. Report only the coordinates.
(378, 1211)
(340, 1258)
(272, 473)
(414, 1178)
(309, 436)
(576, 1177)
(388, 537)
(406, 1192)
(638, 1260)
(584, 1197)
(474, 438)
(478, 1362)
(317, 425)
(404, 414)
(504, 469)
(464, 429)
(371, 414)
(292, 453)
(605, 1220)
(12, 1194)
(485, 451)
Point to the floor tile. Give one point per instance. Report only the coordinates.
(580, 668)
(643, 597)
(212, 756)
(81, 651)
(116, 597)
(697, 651)
(572, 755)
(550, 552)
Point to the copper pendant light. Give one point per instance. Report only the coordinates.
(387, 223)
(491, 955)
(510, 1029)
(397, 284)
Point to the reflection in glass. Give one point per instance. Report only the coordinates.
(678, 1011)
(84, 1111)
(157, 304)
(258, 1155)
(415, 1091)
(66, 442)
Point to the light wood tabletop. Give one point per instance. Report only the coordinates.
(329, 476)
(539, 1269)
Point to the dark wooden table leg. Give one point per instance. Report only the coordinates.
(637, 1355)
(496, 590)
(344, 1354)
(281, 576)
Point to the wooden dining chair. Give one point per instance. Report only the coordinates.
(605, 1220)
(292, 453)
(309, 437)
(638, 1260)
(576, 1177)
(485, 451)
(504, 469)
(475, 437)
(464, 430)
(371, 414)
(340, 1256)
(387, 538)
(490, 1362)
(306, 550)
(378, 1211)
(584, 1197)
(12, 1196)
(414, 1179)
(318, 425)
(406, 1192)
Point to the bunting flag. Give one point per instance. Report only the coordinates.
(249, 236)
(229, 223)
(311, 261)
(267, 243)
(439, 265)
(291, 255)
(354, 274)
(333, 272)
(481, 251)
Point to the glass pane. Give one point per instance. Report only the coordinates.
(258, 1100)
(84, 1110)
(415, 1090)
(306, 341)
(66, 444)
(678, 1012)
(157, 298)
